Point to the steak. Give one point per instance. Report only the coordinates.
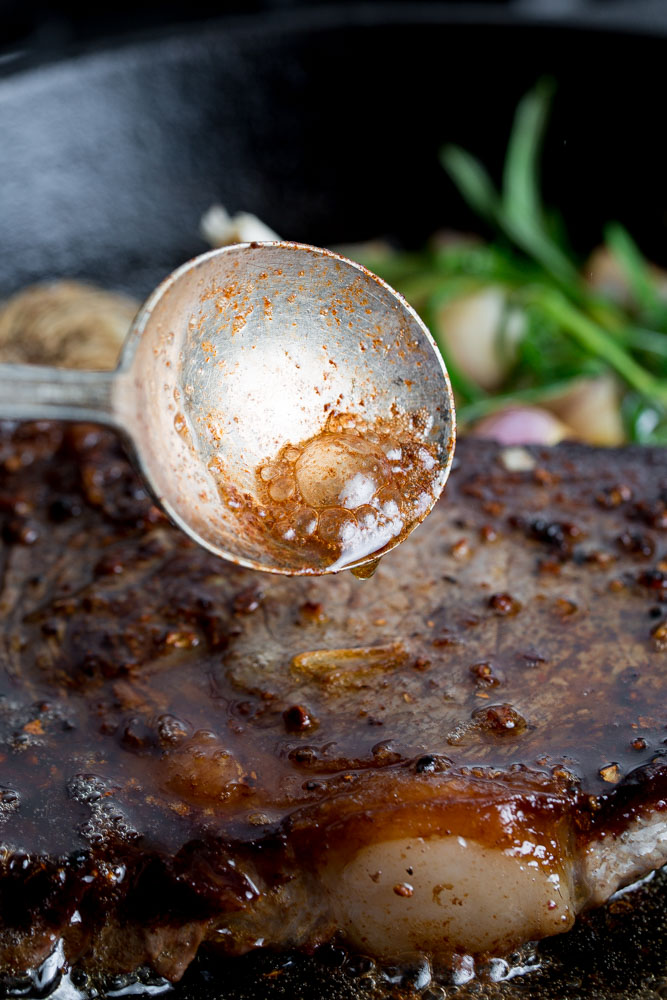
(452, 758)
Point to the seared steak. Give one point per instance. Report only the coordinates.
(456, 756)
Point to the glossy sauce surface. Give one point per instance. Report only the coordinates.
(178, 714)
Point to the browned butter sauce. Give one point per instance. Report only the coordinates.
(351, 491)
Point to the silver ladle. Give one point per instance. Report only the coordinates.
(236, 354)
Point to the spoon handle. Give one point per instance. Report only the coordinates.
(35, 392)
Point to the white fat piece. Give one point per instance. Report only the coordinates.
(612, 862)
(438, 895)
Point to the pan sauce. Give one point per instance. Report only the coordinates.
(348, 492)
(207, 756)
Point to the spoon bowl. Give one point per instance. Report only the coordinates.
(248, 350)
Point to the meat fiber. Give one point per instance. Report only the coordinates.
(454, 757)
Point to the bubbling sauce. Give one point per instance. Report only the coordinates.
(349, 492)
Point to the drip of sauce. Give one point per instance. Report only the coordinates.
(366, 571)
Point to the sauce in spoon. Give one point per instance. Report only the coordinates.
(349, 492)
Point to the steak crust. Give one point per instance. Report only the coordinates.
(191, 751)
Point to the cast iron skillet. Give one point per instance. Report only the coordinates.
(326, 123)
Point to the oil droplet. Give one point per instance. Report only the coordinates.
(304, 522)
(335, 525)
(389, 500)
(269, 472)
(367, 516)
(341, 469)
(282, 488)
(180, 425)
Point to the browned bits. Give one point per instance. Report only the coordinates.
(552, 567)
(614, 496)
(500, 719)
(313, 611)
(20, 532)
(248, 600)
(636, 544)
(504, 604)
(403, 889)
(562, 774)
(446, 637)
(181, 639)
(461, 550)
(384, 754)
(493, 507)
(304, 756)
(486, 674)
(653, 579)
(20, 507)
(488, 533)
(111, 564)
(544, 477)
(171, 730)
(137, 735)
(611, 773)
(659, 635)
(639, 743)
(35, 727)
(564, 607)
(653, 513)
(63, 508)
(427, 764)
(298, 719)
(559, 535)
(600, 559)
(421, 663)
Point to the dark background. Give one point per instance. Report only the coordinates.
(37, 27)
(108, 162)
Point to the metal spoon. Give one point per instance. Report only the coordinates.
(236, 354)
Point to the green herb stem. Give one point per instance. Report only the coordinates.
(598, 342)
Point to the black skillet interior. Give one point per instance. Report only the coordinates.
(326, 123)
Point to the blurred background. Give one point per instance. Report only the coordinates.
(501, 164)
(52, 27)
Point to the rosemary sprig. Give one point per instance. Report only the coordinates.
(570, 330)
